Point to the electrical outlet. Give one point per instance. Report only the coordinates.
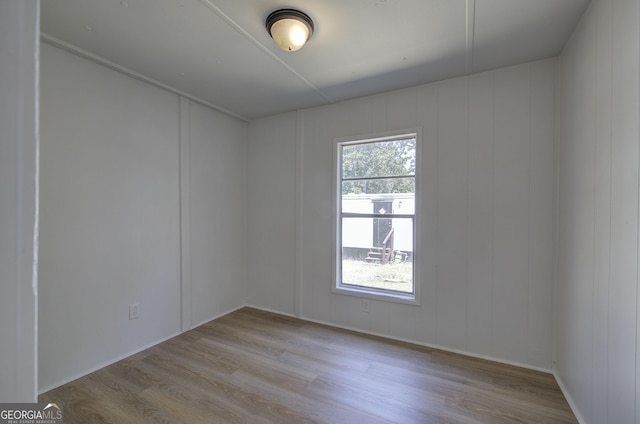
(365, 305)
(134, 311)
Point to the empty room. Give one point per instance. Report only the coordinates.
(323, 211)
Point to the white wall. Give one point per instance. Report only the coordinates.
(19, 32)
(597, 275)
(217, 205)
(137, 182)
(118, 158)
(271, 213)
(487, 213)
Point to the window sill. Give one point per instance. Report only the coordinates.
(366, 293)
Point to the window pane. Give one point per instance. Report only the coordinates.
(376, 198)
(379, 186)
(378, 253)
(379, 159)
(401, 203)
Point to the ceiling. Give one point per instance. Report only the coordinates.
(218, 52)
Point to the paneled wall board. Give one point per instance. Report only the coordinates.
(185, 218)
(271, 242)
(623, 286)
(480, 214)
(602, 40)
(109, 206)
(427, 115)
(19, 32)
(480, 174)
(597, 281)
(140, 188)
(541, 209)
(575, 244)
(512, 138)
(452, 210)
(217, 184)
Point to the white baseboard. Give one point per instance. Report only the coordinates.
(215, 317)
(103, 365)
(438, 347)
(567, 396)
(126, 355)
(431, 346)
(260, 308)
(553, 372)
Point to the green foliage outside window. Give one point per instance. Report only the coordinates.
(379, 159)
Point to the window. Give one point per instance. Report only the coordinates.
(376, 217)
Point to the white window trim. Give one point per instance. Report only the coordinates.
(364, 292)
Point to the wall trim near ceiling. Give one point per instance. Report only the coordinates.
(56, 42)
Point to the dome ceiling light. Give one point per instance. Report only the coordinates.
(289, 28)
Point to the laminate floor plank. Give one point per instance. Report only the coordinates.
(257, 367)
(317, 410)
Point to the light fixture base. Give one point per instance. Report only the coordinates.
(289, 28)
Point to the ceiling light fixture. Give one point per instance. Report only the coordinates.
(289, 28)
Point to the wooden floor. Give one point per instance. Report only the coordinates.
(257, 367)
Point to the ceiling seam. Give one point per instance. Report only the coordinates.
(471, 34)
(56, 42)
(264, 49)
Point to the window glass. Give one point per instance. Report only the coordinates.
(376, 222)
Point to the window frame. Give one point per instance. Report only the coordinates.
(362, 291)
